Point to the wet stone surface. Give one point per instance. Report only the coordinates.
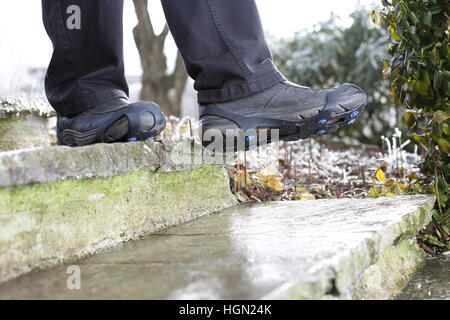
(431, 282)
(246, 252)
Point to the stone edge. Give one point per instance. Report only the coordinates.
(15, 107)
(47, 164)
(324, 283)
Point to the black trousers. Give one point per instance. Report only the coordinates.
(221, 41)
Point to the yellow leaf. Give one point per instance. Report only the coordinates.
(271, 182)
(394, 33)
(271, 177)
(380, 176)
(275, 184)
(305, 197)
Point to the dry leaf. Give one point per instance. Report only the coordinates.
(275, 183)
(272, 182)
(380, 176)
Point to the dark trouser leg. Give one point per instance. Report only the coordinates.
(87, 66)
(223, 45)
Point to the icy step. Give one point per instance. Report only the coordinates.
(59, 204)
(360, 248)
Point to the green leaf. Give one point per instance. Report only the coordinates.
(441, 116)
(421, 140)
(437, 80)
(427, 19)
(446, 86)
(435, 9)
(413, 17)
(443, 199)
(443, 186)
(421, 86)
(435, 56)
(374, 193)
(436, 135)
(444, 145)
(446, 73)
(432, 240)
(410, 119)
(426, 77)
(446, 129)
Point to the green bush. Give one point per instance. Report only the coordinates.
(420, 80)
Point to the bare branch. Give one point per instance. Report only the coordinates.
(164, 33)
(166, 89)
(179, 77)
(179, 71)
(144, 22)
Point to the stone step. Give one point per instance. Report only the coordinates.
(430, 282)
(58, 204)
(325, 249)
(24, 123)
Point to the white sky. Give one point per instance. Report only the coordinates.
(24, 43)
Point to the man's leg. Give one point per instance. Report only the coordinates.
(87, 65)
(85, 80)
(223, 46)
(239, 88)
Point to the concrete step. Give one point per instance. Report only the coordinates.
(430, 282)
(326, 249)
(59, 204)
(24, 123)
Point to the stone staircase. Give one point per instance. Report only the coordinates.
(325, 249)
(60, 205)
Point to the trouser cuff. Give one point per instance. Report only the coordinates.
(82, 104)
(240, 91)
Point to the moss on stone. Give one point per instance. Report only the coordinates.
(47, 223)
(388, 276)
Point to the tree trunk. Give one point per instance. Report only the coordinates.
(165, 89)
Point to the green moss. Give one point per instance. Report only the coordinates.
(47, 223)
(39, 196)
(413, 223)
(391, 272)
